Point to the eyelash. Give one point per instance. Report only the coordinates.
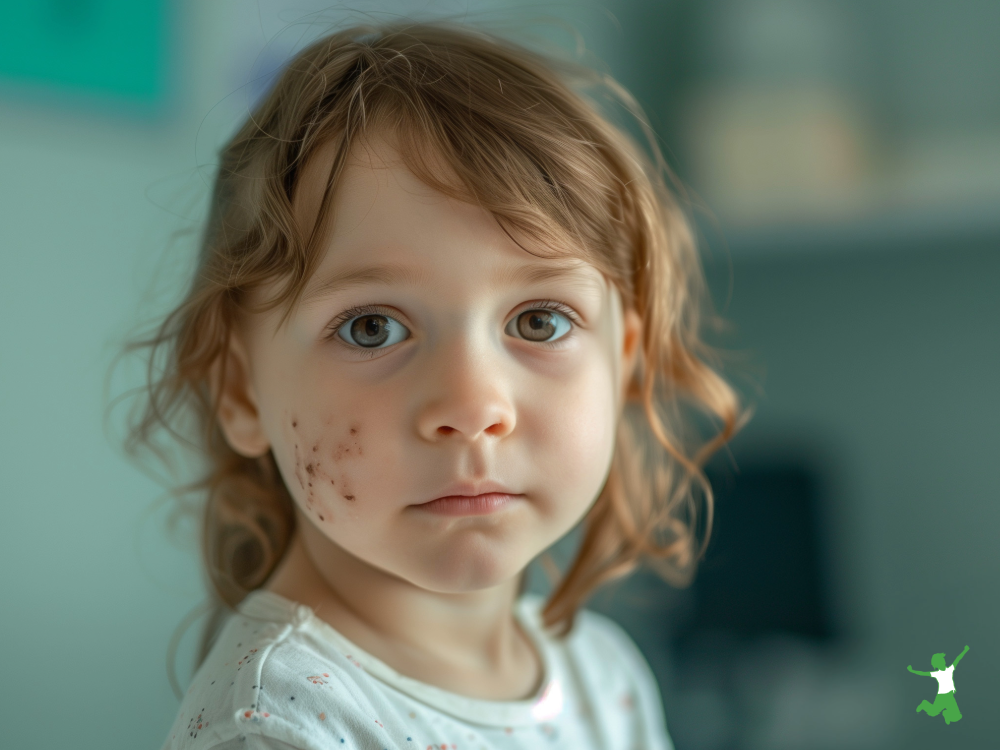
(347, 315)
(559, 307)
(368, 309)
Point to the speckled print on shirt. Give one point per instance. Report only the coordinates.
(279, 674)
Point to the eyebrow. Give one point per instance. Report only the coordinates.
(536, 273)
(392, 273)
(384, 273)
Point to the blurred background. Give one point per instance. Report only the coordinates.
(843, 159)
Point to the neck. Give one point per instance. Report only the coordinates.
(467, 642)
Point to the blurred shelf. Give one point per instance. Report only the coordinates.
(895, 230)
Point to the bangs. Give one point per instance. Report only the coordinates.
(497, 130)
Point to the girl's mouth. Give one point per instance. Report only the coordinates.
(468, 505)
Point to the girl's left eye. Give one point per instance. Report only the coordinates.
(541, 325)
(373, 331)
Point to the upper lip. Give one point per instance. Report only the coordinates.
(471, 489)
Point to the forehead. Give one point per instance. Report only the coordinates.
(387, 226)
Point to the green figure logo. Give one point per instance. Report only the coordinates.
(945, 701)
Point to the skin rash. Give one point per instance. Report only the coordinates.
(362, 435)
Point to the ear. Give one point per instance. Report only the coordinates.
(238, 414)
(631, 347)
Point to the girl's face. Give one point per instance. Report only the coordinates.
(432, 356)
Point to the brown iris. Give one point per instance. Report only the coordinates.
(370, 330)
(536, 325)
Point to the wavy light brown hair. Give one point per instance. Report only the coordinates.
(524, 135)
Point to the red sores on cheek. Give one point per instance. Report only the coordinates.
(325, 456)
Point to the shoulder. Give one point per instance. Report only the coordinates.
(268, 678)
(602, 632)
(615, 676)
(619, 660)
(602, 641)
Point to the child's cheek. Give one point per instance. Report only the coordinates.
(576, 430)
(324, 454)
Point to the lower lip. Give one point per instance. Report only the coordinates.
(461, 505)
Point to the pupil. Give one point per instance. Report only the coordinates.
(536, 325)
(370, 330)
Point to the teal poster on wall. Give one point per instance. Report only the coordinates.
(109, 47)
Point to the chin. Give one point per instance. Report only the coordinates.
(470, 571)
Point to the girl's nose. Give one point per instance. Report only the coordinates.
(467, 395)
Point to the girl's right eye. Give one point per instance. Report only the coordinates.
(372, 331)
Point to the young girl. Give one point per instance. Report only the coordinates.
(432, 279)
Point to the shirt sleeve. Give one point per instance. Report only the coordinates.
(651, 725)
(256, 742)
(653, 722)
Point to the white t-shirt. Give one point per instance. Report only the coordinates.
(946, 679)
(278, 677)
